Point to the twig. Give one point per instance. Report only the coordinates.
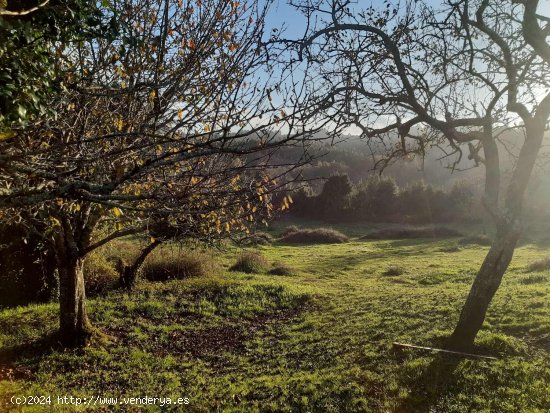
(5, 12)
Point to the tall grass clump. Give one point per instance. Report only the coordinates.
(539, 265)
(314, 236)
(100, 273)
(280, 268)
(168, 264)
(250, 262)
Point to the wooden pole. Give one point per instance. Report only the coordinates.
(440, 350)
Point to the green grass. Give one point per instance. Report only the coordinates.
(319, 340)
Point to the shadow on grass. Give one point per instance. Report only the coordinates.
(436, 380)
(18, 362)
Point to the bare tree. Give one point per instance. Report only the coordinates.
(168, 122)
(411, 78)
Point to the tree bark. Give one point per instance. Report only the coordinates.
(508, 223)
(484, 287)
(75, 327)
(129, 273)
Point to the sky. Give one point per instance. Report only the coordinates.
(281, 13)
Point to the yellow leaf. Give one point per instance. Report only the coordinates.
(7, 134)
(152, 240)
(117, 212)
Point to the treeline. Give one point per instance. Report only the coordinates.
(379, 198)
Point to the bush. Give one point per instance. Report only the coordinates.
(449, 248)
(27, 267)
(257, 238)
(479, 239)
(163, 265)
(375, 199)
(533, 279)
(290, 230)
(394, 270)
(334, 198)
(539, 265)
(250, 262)
(280, 268)
(100, 273)
(410, 233)
(315, 236)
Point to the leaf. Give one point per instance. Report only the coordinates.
(7, 134)
(152, 239)
(21, 111)
(117, 212)
(119, 123)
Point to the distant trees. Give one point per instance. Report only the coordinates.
(379, 199)
(164, 130)
(412, 77)
(334, 198)
(375, 199)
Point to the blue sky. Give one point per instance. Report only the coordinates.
(281, 13)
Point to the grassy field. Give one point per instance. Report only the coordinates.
(319, 340)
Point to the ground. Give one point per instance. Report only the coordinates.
(319, 340)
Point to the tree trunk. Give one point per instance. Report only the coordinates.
(129, 273)
(483, 289)
(75, 327)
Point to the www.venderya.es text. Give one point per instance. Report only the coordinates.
(95, 400)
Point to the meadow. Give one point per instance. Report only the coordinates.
(318, 339)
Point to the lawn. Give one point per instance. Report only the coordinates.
(319, 340)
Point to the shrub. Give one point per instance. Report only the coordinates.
(257, 238)
(450, 248)
(27, 267)
(479, 239)
(250, 262)
(410, 233)
(334, 198)
(165, 265)
(539, 265)
(280, 268)
(375, 199)
(315, 236)
(290, 230)
(394, 270)
(100, 273)
(533, 279)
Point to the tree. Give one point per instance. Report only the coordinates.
(376, 198)
(29, 74)
(333, 200)
(170, 121)
(458, 78)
